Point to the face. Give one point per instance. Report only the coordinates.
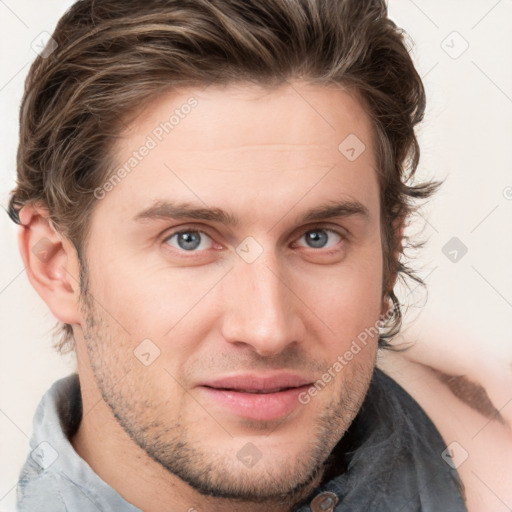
(231, 273)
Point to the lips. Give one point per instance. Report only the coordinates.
(255, 391)
(256, 397)
(253, 383)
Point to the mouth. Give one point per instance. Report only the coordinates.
(256, 397)
(253, 391)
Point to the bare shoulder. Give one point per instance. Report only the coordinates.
(476, 431)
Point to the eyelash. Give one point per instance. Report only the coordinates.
(197, 229)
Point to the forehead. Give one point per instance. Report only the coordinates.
(244, 144)
(295, 112)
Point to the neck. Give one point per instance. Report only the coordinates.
(148, 486)
(141, 481)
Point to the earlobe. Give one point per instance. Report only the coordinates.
(51, 263)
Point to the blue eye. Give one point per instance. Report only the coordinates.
(189, 240)
(321, 238)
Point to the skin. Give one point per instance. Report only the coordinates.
(268, 157)
(468, 414)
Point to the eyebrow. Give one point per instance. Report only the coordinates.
(162, 210)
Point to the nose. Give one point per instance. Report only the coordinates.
(260, 308)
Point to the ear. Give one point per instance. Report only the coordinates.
(51, 263)
(398, 233)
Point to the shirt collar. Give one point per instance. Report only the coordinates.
(391, 454)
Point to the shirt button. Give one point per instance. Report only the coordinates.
(324, 502)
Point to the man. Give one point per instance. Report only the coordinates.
(211, 197)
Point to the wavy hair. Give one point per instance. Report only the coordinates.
(114, 57)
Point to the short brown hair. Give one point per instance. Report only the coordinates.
(113, 57)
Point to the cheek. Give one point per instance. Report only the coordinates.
(349, 298)
(151, 301)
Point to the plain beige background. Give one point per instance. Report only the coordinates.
(463, 50)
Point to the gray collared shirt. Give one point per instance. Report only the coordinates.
(391, 458)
